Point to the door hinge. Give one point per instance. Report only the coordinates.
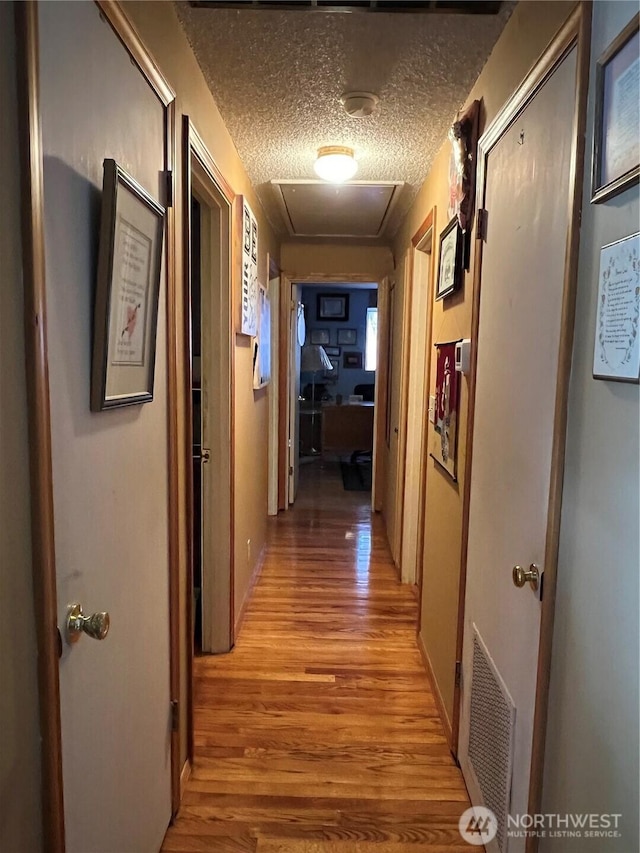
(481, 231)
(290, 470)
(175, 715)
(458, 675)
(168, 177)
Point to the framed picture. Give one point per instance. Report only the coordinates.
(332, 351)
(249, 286)
(335, 372)
(333, 306)
(353, 360)
(126, 304)
(262, 341)
(450, 268)
(616, 148)
(347, 337)
(319, 336)
(444, 437)
(616, 352)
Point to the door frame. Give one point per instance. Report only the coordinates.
(575, 33)
(284, 376)
(423, 238)
(200, 172)
(37, 380)
(274, 285)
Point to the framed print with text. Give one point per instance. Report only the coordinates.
(128, 284)
(616, 353)
(450, 267)
(616, 142)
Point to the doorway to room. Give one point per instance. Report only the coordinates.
(335, 388)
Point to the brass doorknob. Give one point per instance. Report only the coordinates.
(96, 626)
(522, 576)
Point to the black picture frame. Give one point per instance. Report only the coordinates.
(352, 360)
(319, 336)
(611, 174)
(347, 337)
(332, 352)
(450, 261)
(332, 306)
(127, 291)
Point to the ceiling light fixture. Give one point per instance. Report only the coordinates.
(335, 163)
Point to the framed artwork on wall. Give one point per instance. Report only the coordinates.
(353, 360)
(347, 337)
(332, 351)
(262, 341)
(616, 148)
(319, 336)
(333, 306)
(616, 352)
(128, 284)
(450, 266)
(335, 372)
(444, 443)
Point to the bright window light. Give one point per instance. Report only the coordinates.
(371, 339)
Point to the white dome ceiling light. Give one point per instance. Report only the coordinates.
(335, 163)
(359, 104)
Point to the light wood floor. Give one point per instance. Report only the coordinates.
(319, 732)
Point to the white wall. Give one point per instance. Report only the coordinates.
(592, 740)
(19, 734)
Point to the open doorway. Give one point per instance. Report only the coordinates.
(207, 305)
(333, 381)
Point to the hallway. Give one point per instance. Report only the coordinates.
(319, 732)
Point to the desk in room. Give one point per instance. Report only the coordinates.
(347, 428)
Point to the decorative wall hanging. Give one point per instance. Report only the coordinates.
(249, 295)
(463, 135)
(262, 341)
(320, 336)
(347, 337)
(333, 306)
(444, 444)
(353, 360)
(616, 353)
(450, 266)
(616, 145)
(128, 284)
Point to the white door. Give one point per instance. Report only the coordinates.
(109, 469)
(294, 393)
(527, 202)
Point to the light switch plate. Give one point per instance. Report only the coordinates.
(432, 408)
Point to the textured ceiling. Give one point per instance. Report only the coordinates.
(277, 78)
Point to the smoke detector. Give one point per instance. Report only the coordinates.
(359, 104)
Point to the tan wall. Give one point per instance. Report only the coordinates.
(162, 34)
(592, 738)
(308, 259)
(20, 805)
(529, 30)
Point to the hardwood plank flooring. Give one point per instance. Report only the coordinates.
(319, 732)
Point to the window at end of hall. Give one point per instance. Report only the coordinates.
(371, 339)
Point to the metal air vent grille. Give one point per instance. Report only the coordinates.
(491, 736)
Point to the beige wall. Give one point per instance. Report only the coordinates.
(162, 34)
(20, 804)
(308, 259)
(592, 737)
(531, 27)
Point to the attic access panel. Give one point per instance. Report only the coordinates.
(460, 7)
(319, 209)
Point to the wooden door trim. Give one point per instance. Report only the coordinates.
(381, 383)
(194, 148)
(429, 224)
(575, 33)
(39, 417)
(283, 390)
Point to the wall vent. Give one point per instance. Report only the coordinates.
(491, 736)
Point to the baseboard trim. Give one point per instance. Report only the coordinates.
(257, 570)
(444, 719)
(184, 777)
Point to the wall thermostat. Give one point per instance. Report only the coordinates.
(463, 356)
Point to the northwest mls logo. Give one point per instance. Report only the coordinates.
(478, 825)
